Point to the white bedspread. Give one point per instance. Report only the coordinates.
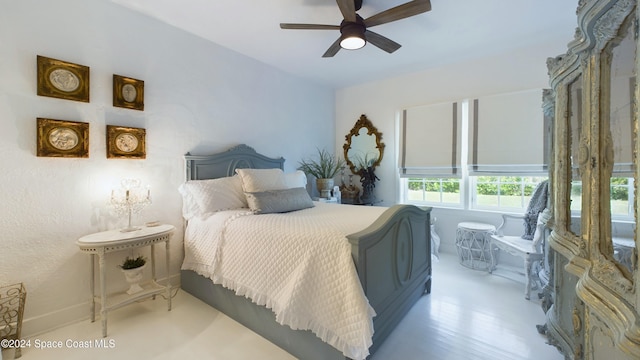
(297, 264)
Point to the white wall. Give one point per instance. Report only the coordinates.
(199, 98)
(382, 101)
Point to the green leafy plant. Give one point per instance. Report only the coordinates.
(364, 162)
(325, 166)
(132, 263)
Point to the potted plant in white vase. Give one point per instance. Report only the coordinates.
(132, 269)
(324, 168)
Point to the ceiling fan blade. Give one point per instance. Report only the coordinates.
(405, 10)
(348, 9)
(333, 49)
(382, 42)
(309, 26)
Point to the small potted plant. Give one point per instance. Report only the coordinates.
(324, 169)
(132, 269)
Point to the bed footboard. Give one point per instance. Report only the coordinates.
(393, 259)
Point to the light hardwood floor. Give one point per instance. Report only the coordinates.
(469, 315)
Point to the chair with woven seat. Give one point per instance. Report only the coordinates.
(528, 246)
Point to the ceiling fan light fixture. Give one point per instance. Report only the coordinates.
(354, 33)
(352, 43)
(352, 37)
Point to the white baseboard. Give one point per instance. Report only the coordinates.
(41, 324)
(37, 325)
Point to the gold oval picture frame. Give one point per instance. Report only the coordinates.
(60, 138)
(63, 80)
(128, 92)
(126, 142)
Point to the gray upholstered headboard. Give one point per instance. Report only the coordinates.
(200, 167)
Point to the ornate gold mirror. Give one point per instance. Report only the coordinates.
(363, 147)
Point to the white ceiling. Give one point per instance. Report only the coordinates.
(453, 31)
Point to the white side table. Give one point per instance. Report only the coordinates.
(114, 240)
(473, 242)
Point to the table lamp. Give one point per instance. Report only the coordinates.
(129, 198)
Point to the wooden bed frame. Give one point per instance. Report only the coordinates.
(392, 258)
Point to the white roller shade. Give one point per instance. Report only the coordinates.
(430, 141)
(508, 134)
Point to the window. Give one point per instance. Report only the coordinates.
(576, 197)
(471, 153)
(503, 192)
(433, 191)
(622, 197)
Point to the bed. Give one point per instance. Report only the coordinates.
(391, 257)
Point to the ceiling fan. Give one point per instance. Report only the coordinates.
(354, 29)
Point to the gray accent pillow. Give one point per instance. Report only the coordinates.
(279, 201)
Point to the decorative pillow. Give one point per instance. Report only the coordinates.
(295, 179)
(279, 201)
(256, 180)
(200, 197)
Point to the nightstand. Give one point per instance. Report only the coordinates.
(101, 243)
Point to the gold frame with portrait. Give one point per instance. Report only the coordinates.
(126, 142)
(63, 80)
(59, 138)
(128, 92)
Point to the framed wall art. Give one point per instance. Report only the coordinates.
(128, 92)
(59, 138)
(63, 80)
(126, 142)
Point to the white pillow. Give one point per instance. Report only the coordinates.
(257, 180)
(295, 179)
(201, 197)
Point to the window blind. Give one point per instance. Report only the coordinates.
(622, 90)
(621, 126)
(430, 141)
(508, 134)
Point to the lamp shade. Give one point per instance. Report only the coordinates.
(352, 37)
